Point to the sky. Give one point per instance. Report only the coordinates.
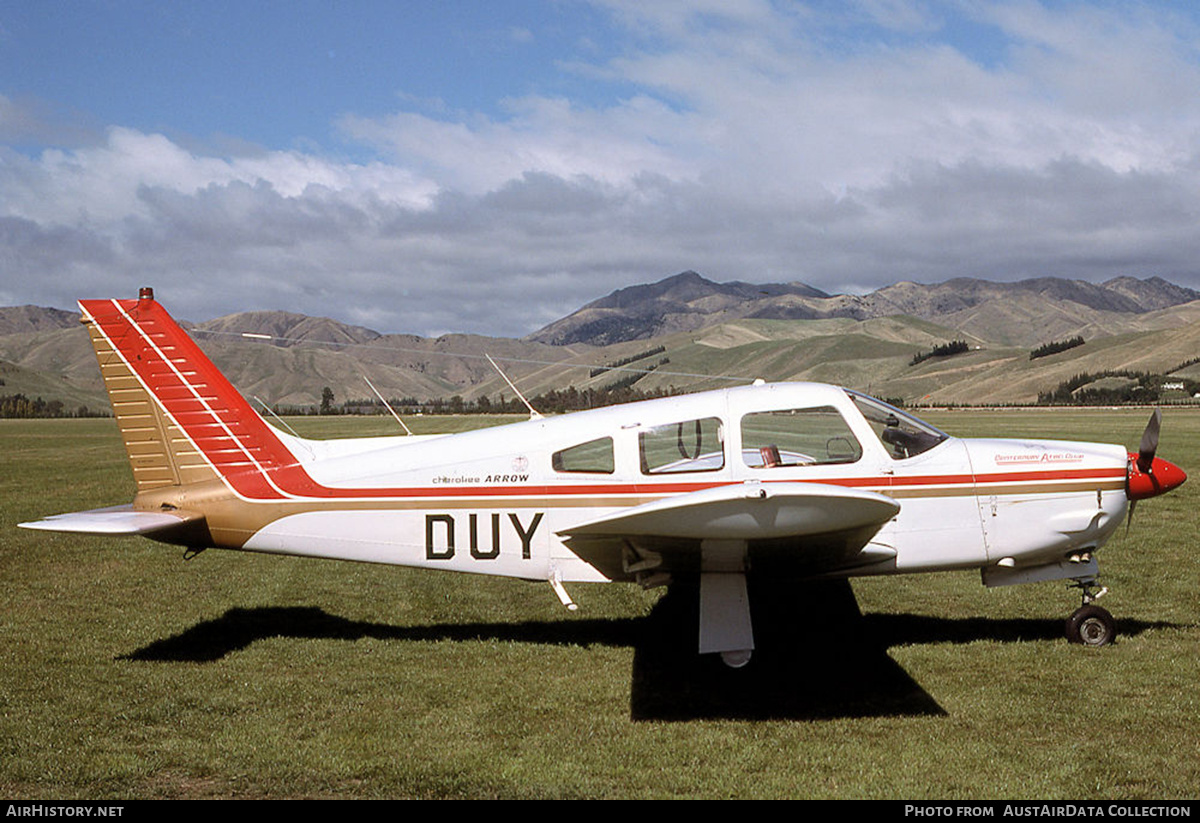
(488, 167)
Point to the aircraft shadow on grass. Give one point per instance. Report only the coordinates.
(817, 656)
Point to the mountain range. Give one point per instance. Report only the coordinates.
(683, 332)
(687, 302)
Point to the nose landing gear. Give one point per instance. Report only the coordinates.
(1090, 625)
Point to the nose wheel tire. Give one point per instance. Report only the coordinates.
(1091, 626)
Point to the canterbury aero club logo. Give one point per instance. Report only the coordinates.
(1039, 457)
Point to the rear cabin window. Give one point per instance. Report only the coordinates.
(594, 456)
(797, 437)
(690, 446)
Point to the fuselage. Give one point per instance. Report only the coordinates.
(496, 501)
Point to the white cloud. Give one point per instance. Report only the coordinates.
(542, 135)
(102, 184)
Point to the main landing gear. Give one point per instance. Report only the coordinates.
(1090, 625)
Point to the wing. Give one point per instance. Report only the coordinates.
(799, 528)
(720, 534)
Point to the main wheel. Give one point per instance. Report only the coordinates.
(1091, 626)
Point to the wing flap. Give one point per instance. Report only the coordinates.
(114, 520)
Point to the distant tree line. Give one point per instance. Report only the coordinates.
(944, 350)
(1055, 347)
(625, 361)
(20, 406)
(555, 401)
(629, 379)
(1143, 387)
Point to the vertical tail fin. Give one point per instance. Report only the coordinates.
(182, 421)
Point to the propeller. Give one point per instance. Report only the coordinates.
(1145, 458)
(1147, 475)
(1149, 444)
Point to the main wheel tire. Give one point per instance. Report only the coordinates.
(1091, 626)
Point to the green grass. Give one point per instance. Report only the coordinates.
(128, 672)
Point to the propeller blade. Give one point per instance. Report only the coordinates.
(1129, 520)
(1149, 443)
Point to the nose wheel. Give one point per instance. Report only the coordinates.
(1091, 625)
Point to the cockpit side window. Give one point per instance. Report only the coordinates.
(797, 437)
(594, 456)
(690, 446)
(902, 434)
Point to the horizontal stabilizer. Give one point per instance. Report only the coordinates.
(114, 520)
(749, 511)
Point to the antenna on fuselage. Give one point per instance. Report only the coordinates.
(533, 413)
(299, 440)
(271, 412)
(387, 406)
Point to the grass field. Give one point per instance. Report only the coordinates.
(128, 672)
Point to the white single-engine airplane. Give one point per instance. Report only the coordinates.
(786, 480)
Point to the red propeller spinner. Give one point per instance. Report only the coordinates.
(1149, 476)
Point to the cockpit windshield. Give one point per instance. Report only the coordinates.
(904, 435)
